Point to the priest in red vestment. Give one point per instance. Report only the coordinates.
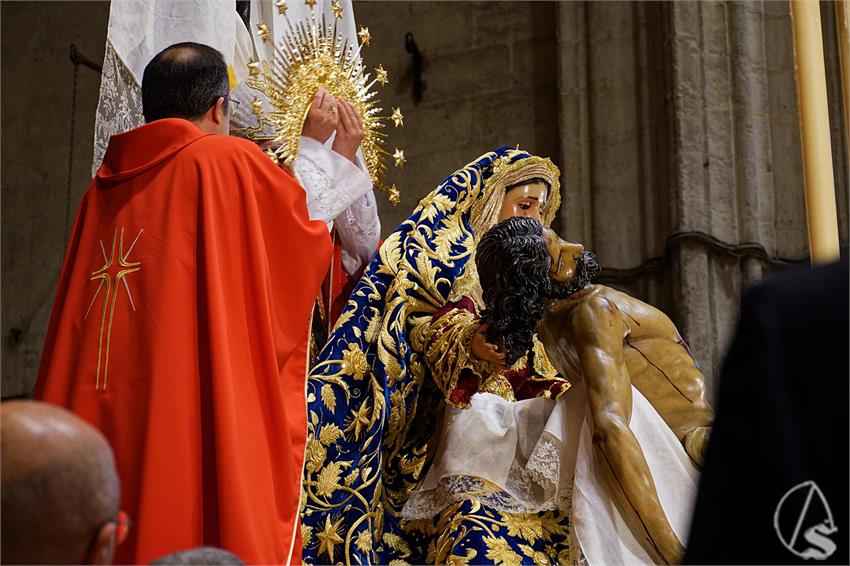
(181, 322)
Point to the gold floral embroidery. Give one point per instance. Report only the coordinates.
(329, 434)
(328, 479)
(316, 454)
(525, 525)
(542, 366)
(499, 551)
(354, 362)
(449, 351)
(498, 384)
(363, 541)
(397, 543)
(466, 559)
(306, 535)
(540, 558)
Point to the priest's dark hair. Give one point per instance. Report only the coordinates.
(513, 268)
(184, 81)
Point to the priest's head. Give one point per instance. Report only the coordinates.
(188, 80)
(60, 490)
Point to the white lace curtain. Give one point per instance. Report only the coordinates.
(119, 108)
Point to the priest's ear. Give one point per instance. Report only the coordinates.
(216, 120)
(221, 116)
(102, 546)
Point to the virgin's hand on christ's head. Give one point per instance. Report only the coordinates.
(483, 350)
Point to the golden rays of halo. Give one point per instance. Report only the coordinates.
(312, 54)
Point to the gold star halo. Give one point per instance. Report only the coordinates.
(254, 68)
(381, 75)
(336, 9)
(313, 54)
(364, 36)
(394, 195)
(398, 156)
(310, 3)
(281, 7)
(397, 118)
(263, 31)
(257, 108)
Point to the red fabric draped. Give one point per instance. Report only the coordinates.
(180, 330)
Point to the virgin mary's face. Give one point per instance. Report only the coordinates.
(525, 200)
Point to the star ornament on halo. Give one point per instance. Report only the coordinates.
(310, 3)
(263, 31)
(281, 7)
(336, 9)
(364, 36)
(397, 118)
(381, 75)
(398, 156)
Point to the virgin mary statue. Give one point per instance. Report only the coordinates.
(408, 344)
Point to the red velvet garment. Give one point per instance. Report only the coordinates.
(180, 331)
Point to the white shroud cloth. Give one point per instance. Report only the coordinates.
(527, 456)
(601, 532)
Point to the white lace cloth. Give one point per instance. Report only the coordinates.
(509, 456)
(537, 454)
(119, 108)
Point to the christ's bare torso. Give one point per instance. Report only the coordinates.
(658, 360)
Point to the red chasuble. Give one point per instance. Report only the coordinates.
(180, 330)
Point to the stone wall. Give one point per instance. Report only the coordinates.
(679, 124)
(666, 119)
(490, 74)
(40, 191)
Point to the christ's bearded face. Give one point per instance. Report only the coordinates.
(572, 267)
(565, 256)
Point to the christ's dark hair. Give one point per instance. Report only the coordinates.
(183, 81)
(513, 268)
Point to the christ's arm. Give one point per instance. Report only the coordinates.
(598, 329)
